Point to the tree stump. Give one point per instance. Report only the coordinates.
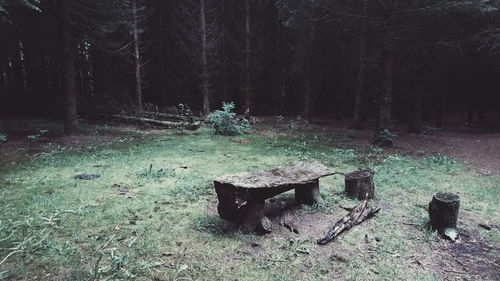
(443, 211)
(307, 193)
(359, 184)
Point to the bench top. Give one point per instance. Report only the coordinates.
(297, 173)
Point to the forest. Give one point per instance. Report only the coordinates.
(404, 62)
(249, 140)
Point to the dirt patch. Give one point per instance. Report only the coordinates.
(19, 146)
(470, 258)
(477, 147)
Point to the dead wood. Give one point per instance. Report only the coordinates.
(166, 124)
(178, 117)
(359, 214)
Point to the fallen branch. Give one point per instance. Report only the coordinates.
(166, 124)
(359, 214)
(170, 116)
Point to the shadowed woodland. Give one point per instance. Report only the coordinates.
(249, 140)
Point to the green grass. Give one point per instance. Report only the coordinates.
(59, 228)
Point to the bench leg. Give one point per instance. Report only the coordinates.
(255, 219)
(307, 193)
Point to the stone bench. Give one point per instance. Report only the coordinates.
(242, 196)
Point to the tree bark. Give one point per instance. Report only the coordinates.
(224, 46)
(247, 84)
(359, 184)
(358, 103)
(137, 56)
(308, 93)
(356, 216)
(385, 103)
(68, 77)
(415, 122)
(163, 60)
(204, 60)
(443, 211)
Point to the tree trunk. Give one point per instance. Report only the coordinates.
(415, 122)
(137, 56)
(162, 58)
(308, 93)
(68, 77)
(224, 95)
(385, 103)
(204, 60)
(358, 103)
(247, 84)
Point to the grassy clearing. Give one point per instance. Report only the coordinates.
(164, 225)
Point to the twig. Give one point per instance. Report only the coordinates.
(458, 272)
(106, 244)
(10, 254)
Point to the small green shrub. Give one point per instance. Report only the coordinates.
(225, 122)
(3, 138)
(385, 138)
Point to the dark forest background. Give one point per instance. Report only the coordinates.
(410, 62)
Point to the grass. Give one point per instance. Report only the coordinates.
(59, 228)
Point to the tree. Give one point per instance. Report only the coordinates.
(68, 72)
(200, 39)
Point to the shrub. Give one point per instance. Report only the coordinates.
(3, 138)
(385, 138)
(226, 123)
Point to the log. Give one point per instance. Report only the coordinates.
(359, 184)
(359, 214)
(166, 124)
(170, 116)
(443, 211)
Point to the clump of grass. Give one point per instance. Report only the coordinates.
(442, 162)
(343, 155)
(153, 174)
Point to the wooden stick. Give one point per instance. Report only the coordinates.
(359, 214)
(167, 124)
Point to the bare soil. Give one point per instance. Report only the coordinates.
(474, 146)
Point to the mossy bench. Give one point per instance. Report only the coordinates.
(242, 196)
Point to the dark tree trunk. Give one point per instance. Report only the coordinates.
(224, 47)
(469, 113)
(308, 91)
(443, 211)
(415, 122)
(385, 102)
(69, 81)
(439, 111)
(137, 56)
(358, 102)
(162, 54)
(247, 84)
(359, 184)
(204, 60)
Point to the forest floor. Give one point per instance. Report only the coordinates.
(152, 213)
